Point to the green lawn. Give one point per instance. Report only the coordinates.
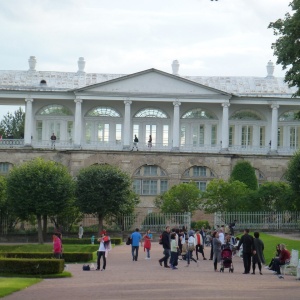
(270, 242)
(11, 285)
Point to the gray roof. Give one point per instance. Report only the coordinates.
(64, 81)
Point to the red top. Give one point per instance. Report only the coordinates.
(147, 242)
(284, 256)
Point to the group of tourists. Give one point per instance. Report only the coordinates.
(180, 244)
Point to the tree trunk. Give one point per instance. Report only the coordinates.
(40, 231)
(100, 223)
(44, 227)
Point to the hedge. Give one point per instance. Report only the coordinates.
(69, 257)
(31, 266)
(116, 241)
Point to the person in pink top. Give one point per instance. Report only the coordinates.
(57, 245)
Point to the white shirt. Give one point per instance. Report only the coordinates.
(221, 238)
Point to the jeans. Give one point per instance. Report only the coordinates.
(166, 257)
(135, 252)
(148, 253)
(101, 254)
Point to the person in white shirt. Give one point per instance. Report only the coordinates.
(221, 236)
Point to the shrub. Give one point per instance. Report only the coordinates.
(31, 266)
(200, 224)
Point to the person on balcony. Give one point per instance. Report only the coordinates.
(150, 141)
(135, 143)
(53, 140)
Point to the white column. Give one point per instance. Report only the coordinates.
(274, 130)
(127, 129)
(78, 123)
(176, 124)
(225, 126)
(28, 122)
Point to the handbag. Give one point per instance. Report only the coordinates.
(86, 268)
(129, 241)
(191, 247)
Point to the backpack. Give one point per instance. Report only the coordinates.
(160, 240)
(129, 241)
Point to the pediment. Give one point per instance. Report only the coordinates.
(151, 82)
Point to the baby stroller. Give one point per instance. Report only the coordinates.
(226, 260)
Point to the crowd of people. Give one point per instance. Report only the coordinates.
(181, 244)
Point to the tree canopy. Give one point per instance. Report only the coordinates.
(244, 172)
(292, 175)
(221, 195)
(40, 188)
(180, 198)
(13, 124)
(105, 191)
(287, 45)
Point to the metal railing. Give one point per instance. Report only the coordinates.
(262, 220)
(157, 147)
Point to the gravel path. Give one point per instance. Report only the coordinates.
(146, 279)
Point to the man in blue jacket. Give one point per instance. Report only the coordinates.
(136, 239)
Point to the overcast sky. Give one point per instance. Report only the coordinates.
(208, 38)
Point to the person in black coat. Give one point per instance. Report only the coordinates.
(248, 249)
(166, 243)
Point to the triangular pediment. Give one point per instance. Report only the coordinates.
(151, 82)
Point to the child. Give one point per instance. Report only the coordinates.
(174, 252)
(147, 243)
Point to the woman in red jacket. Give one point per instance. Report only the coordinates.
(284, 257)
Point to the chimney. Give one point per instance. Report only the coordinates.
(81, 65)
(32, 63)
(175, 67)
(270, 70)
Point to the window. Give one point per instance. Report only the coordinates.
(231, 135)
(262, 134)
(213, 135)
(198, 113)
(151, 113)
(247, 136)
(103, 112)
(4, 168)
(150, 180)
(201, 175)
(246, 115)
(55, 110)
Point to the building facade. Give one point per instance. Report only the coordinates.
(199, 126)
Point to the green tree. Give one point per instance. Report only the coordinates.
(221, 195)
(40, 188)
(276, 196)
(13, 124)
(184, 197)
(292, 176)
(287, 45)
(106, 192)
(244, 172)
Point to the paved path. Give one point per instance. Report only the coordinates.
(145, 279)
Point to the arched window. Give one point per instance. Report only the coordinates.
(198, 113)
(151, 113)
(5, 167)
(246, 115)
(150, 180)
(103, 112)
(201, 175)
(55, 110)
(289, 116)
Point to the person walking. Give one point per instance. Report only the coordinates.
(136, 239)
(57, 245)
(199, 244)
(216, 244)
(104, 247)
(147, 243)
(53, 140)
(167, 247)
(174, 252)
(150, 142)
(80, 231)
(135, 143)
(258, 257)
(248, 249)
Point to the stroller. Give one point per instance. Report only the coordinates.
(226, 260)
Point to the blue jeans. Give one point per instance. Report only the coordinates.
(135, 252)
(148, 253)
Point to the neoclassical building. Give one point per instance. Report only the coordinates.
(200, 126)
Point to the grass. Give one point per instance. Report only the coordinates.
(11, 285)
(270, 242)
